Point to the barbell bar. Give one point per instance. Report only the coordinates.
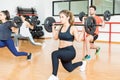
(106, 15)
(89, 24)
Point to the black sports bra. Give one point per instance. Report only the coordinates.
(66, 35)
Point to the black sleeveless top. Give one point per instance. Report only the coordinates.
(66, 35)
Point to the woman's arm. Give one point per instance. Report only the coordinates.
(55, 32)
(15, 30)
(29, 25)
(78, 35)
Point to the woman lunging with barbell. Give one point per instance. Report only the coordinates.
(66, 52)
(6, 29)
(24, 32)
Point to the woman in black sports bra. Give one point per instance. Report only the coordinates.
(66, 52)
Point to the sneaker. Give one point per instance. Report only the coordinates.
(83, 66)
(29, 56)
(53, 77)
(17, 48)
(97, 50)
(87, 57)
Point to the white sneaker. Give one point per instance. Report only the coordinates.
(52, 77)
(17, 48)
(83, 66)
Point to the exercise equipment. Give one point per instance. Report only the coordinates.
(81, 15)
(89, 24)
(35, 21)
(38, 28)
(32, 20)
(106, 15)
(28, 11)
(17, 20)
(37, 32)
(48, 23)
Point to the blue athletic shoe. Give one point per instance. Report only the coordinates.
(97, 51)
(87, 57)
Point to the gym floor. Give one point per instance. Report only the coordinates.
(106, 66)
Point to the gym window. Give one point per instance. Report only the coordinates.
(77, 6)
(58, 6)
(111, 5)
(117, 7)
(102, 6)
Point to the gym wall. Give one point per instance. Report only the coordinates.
(44, 9)
(105, 34)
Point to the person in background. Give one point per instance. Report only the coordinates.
(24, 32)
(90, 39)
(6, 28)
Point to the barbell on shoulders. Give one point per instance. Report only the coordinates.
(106, 15)
(89, 24)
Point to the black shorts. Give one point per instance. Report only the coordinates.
(95, 36)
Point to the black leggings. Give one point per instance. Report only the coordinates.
(95, 36)
(10, 45)
(66, 55)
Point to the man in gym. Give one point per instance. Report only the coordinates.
(90, 39)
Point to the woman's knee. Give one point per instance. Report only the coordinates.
(69, 69)
(16, 55)
(54, 54)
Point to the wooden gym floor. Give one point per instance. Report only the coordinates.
(106, 66)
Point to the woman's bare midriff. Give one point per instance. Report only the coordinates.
(63, 44)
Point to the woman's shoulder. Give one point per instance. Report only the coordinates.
(8, 22)
(73, 27)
